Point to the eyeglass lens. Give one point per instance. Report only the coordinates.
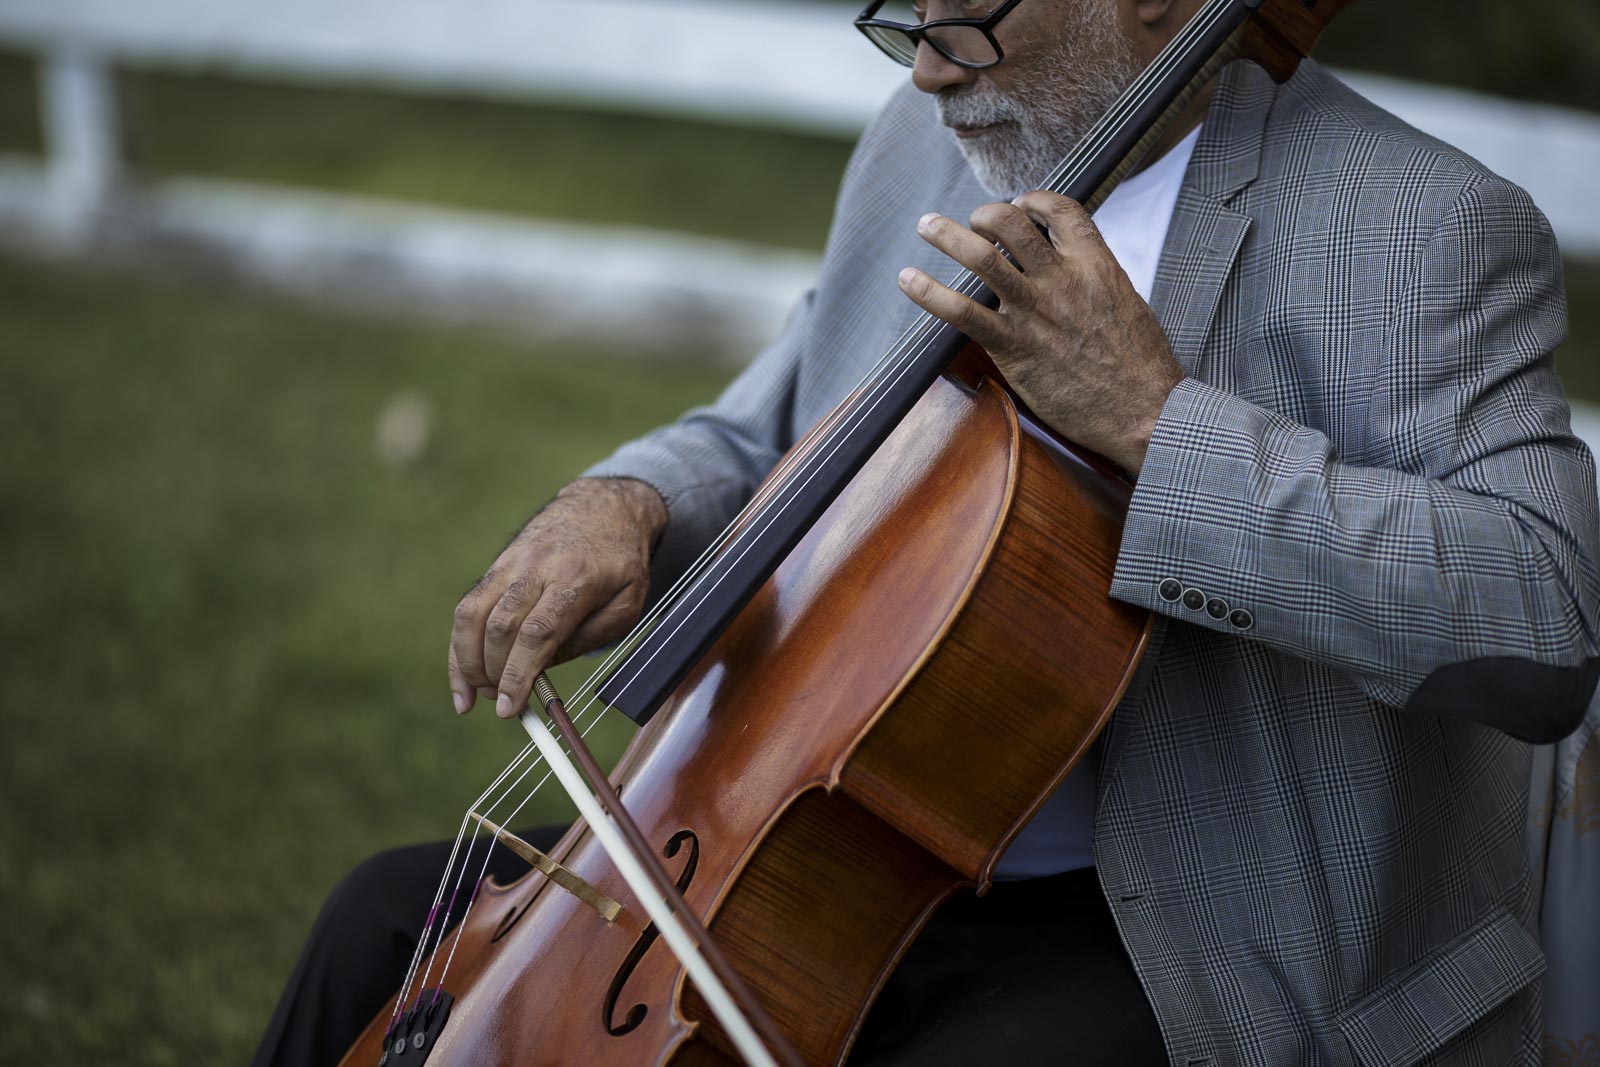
(964, 43)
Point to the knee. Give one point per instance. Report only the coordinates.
(355, 957)
(380, 906)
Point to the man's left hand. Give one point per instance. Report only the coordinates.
(1072, 337)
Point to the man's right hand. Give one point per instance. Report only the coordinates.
(573, 580)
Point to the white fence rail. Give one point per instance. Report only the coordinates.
(777, 63)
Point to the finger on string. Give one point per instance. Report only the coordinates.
(967, 315)
(502, 629)
(1069, 225)
(977, 254)
(1009, 226)
(545, 627)
(446, 920)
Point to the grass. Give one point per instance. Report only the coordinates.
(19, 105)
(588, 165)
(758, 185)
(224, 627)
(1578, 361)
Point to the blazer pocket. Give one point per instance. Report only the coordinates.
(1416, 1011)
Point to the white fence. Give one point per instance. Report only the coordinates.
(780, 64)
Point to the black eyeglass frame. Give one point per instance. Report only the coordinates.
(919, 33)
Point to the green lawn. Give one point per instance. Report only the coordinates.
(765, 186)
(224, 623)
(19, 105)
(589, 165)
(1578, 361)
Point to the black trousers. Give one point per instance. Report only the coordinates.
(1033, 973)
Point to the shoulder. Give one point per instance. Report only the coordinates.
(904, 141)
(1337, 172)
(905, 163)
(1325, 140)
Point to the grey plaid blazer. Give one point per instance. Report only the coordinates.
(1310, 816)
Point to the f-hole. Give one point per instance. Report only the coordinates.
(636, 1014)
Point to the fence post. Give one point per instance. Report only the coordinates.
(79, 117)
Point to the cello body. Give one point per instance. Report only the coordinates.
(862, 742)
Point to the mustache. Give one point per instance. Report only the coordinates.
(978, 107)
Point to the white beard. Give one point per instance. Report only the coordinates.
(1069, 88)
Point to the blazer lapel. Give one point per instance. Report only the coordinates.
(1196, 262)
(1205, 236)
(1197, 259)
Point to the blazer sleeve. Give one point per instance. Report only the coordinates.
(710, 461)
(1459, 579)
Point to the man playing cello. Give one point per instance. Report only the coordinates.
(1322, 345)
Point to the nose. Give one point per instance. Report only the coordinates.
(933, 72)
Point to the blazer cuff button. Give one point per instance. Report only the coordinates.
(1217, 609)
(1242, 619)
(1193, 599)
(1170, 589)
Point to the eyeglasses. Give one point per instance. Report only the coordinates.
(964, 42)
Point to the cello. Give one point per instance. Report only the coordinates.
(839, 707)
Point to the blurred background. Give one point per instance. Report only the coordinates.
(306, 306)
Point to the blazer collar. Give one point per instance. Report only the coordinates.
(1206, 235)
(1227, 155)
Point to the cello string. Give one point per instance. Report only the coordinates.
(437, 924)
(1181, 49)
(913, 344)
(473, 897)
(444, 879)
(444, 920)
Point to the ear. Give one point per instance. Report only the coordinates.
(1151, 12)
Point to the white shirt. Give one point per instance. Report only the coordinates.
(1134, 221)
